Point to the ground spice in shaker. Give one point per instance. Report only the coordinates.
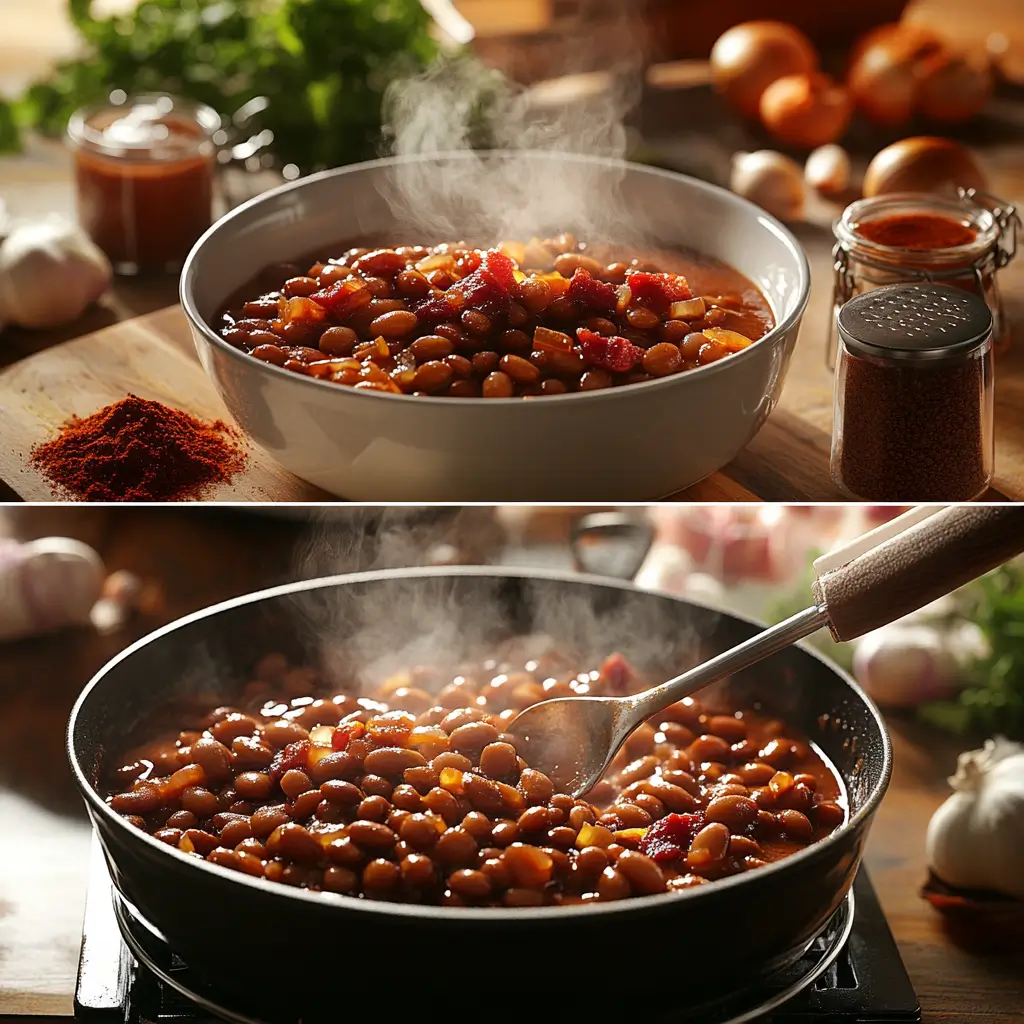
(913, 395)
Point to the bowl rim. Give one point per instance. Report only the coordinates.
(760, 216)
(97, 806)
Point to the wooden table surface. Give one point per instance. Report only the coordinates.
(685, 129)
(206, 555)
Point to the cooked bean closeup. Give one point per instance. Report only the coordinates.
(417, 793)
(551, 317)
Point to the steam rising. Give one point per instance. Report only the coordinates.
(364, 633)
(459, 105)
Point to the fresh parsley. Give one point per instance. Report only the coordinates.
(992, 701)
(324, 65)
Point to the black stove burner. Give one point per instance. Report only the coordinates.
(851, 973)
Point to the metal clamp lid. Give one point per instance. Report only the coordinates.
(915, 323)
(1006, 217)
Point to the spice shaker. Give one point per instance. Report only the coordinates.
(909, 238)
(913, 398)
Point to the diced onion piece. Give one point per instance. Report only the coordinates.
(316, 753)
(594, 835)
(322, 735)
(547, 340)
(515, 251)
(559, 285)
(300, 308)
(688, 309)
(629, 835)
(424, 734)
(732, 340)
(451, 780)
(537, 256)
(625, 296)
(326, 834)
(519, 276)
(436, 261)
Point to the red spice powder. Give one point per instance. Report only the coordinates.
(917, 231)
(137, 450)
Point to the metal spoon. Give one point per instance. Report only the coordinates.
(880, 577)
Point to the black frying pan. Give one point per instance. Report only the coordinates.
(318, 951)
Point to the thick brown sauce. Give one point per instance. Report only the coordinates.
(663, 751)
(289, 316)
(706, 276)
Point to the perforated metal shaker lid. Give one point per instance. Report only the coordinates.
(915, 323)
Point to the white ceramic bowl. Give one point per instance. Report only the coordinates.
(632, 443)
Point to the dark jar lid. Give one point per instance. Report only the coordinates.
(915, 323)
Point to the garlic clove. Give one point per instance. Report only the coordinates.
(50, 273)
(771, 180)
(827, 170)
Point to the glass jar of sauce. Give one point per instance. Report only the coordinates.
(911, 237)
(144, 172)
(913, 399)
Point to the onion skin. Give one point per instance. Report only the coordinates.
(922, 163)
(748, 57)
(901, 70)
(955, 90)
(884, 76)
(806, 110)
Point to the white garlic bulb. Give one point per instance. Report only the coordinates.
(46, 585)
(827, 170)
(976, 838)
(50, 273)
(770, 179)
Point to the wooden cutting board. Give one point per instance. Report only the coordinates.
(153, 357)
(150, 356)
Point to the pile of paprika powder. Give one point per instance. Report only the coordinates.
(138, 450)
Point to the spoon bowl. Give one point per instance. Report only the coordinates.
(568, 738)
(572, 740)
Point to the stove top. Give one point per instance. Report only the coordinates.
(851, 973)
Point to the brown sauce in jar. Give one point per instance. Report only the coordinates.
(144, 185)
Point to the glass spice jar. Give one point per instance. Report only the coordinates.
(916, 237)
(144, 173)
(913, 398)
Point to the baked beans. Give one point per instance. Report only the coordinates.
(433, 804)
(543, 318)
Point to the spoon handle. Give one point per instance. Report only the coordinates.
(748, 653)
(908, 569)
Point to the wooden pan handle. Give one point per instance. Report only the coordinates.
(925, 562)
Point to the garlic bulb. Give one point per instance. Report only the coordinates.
(911, 661)
(827, 170)
(773, 181)
(46, 585)
(50, 272)
(976, 838)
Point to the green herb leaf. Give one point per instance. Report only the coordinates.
(324, 64)
(993, 699)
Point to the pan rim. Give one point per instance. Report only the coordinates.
(499, 915)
